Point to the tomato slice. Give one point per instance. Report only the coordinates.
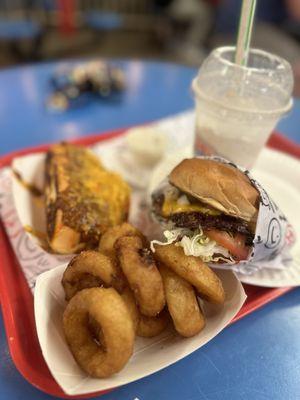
(235, 245)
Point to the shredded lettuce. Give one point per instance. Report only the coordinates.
(170, 235)
(171, 192)
(195, 243)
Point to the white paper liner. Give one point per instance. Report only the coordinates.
(150, 355)
(32, 258)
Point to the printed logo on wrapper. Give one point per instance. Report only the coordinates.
(274, 235)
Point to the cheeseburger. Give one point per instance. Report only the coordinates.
(209, 208)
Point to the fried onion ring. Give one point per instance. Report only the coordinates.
(91, 269)
(142, 274)
(113, 347)
(145, 326)
(152, 326)
(129, 300)
(111, 235)
(193, 270)
(182, 303)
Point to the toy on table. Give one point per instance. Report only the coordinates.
(75, 84)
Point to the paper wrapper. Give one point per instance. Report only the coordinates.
(150, 355)
(274, 235)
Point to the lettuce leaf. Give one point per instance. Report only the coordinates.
(195, 243)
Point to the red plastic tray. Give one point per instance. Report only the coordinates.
(17, 300)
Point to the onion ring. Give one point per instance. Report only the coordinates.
(91, 269)
(114, 346)
(144, 326)
(182, 303)
(111, 235)
(193, 270)
(152, 326)
(129, 300)
(142, 274)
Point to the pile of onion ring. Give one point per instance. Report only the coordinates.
(123, 290)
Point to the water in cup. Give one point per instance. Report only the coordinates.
(237, 107)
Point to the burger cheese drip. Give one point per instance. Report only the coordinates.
(173, 207)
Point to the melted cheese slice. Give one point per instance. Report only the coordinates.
(172, 207)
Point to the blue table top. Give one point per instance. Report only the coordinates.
(257, 357)
(155, 90)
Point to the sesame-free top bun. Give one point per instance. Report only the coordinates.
(219, 185)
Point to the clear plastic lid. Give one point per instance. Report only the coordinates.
(265, 85)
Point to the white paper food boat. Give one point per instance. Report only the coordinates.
(150, 355)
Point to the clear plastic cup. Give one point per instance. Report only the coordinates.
(237, 107)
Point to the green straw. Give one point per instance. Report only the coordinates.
(245, 31)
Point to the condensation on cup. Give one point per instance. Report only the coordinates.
(237, 107)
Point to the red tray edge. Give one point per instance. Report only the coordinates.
(8, 316)
(270, 295)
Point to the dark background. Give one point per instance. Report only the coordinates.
(180, 30)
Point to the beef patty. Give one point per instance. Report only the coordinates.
(194, 219)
